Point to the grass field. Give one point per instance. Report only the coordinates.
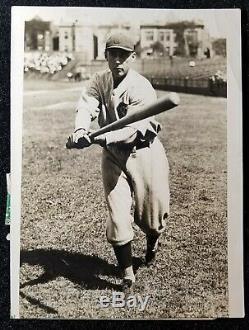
(66, 263)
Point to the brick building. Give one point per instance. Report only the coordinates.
(181, 38)
(79, 38)
(151, 34)
(38, 35)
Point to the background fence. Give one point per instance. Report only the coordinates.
(193, 86)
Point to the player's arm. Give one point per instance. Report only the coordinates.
(125, 136)
(86, 111)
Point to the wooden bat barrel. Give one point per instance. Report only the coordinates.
(165, 103)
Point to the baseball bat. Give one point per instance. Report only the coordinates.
(165, 103)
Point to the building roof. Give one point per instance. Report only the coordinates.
(154, 27)
(173, 25)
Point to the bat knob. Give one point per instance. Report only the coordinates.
(174, 97)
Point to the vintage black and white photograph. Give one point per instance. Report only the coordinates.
(122, 128)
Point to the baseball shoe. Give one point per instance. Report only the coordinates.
(152, 247)
(127, 286)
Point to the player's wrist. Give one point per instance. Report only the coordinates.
(101, 140)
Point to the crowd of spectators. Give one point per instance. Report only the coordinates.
(219, 77)
(46, 63)
(218, 81)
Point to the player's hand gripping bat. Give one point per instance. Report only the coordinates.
(165, 103)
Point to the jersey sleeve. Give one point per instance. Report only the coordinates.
(87, 106)
(142, 95)
(125, 136)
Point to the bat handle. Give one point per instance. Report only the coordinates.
(94, 134)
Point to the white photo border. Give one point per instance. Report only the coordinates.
(232, 20)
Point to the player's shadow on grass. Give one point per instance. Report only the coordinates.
(83, 270)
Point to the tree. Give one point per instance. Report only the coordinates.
(158, 48)
(219, 46)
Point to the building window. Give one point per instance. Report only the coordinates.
(167, 36)
(161, 36)
(65, 35)
(192, 36)
(149, 35)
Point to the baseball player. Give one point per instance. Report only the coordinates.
(134, 163)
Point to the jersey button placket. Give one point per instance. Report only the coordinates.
(114, 101)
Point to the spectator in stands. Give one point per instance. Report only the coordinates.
(45, 63)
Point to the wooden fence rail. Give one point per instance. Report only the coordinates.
(193, 86)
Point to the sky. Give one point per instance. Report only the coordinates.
(215, 20)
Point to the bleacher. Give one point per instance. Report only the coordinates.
(45, 64)
(206, 76)
(180, 69)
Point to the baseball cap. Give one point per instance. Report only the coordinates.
(120, 40)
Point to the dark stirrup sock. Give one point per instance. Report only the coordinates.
(152, 242)
(123, 255)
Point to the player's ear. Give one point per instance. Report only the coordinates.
(133, 56)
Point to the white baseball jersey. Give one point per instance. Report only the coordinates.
(141, 171)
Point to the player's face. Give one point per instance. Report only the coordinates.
(119, 61)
